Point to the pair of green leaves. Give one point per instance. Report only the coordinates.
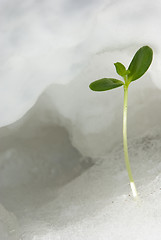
(138, 66)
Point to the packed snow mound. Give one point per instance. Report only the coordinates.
(99, 205)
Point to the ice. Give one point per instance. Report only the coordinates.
(62, 171)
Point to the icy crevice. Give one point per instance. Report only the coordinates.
(36, 160)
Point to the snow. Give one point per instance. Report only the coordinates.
(51, 42)
(9, 229)
(62, 171)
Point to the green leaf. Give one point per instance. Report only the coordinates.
(120, 69)
(140, 63)
(105, 84)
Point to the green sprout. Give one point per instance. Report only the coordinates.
(138, 66)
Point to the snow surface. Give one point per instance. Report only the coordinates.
(45, 42)
(62, 173)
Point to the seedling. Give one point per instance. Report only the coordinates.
(138, 66)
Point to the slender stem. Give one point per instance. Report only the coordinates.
(127, 163)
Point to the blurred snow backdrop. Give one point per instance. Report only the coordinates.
(62, 173)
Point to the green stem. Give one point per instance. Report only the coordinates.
(127, 163)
